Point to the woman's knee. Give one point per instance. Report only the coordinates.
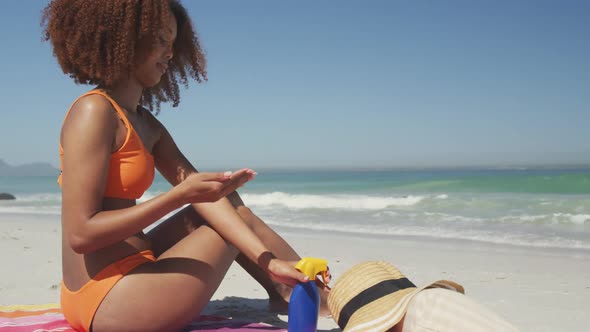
(244, 212)
(249, 217)
(192, 218)
(235, 200)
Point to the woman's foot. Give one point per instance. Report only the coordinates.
(278, 299)
(324, 311)
(278, 305)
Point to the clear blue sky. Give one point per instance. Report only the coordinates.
(344, 84)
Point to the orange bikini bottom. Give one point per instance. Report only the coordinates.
(80, 306)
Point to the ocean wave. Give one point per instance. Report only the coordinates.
(486, 236)
(537, 219)
(37, 203)
(551, 218)
(578, 219)
(53, 210)
(343, 202)
(37, 197)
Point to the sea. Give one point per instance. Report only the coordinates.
(533, 207)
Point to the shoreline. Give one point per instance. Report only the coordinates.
(536, 289)
(442, 241)
(286, 230)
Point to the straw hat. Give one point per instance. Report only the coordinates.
(374, 296)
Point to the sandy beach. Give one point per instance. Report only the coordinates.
(536, 289)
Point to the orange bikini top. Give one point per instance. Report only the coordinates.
(131, 168)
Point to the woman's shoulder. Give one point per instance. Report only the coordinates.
(92, 109)
(93, 102)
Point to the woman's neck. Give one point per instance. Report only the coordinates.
(126, 93)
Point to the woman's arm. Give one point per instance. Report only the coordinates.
(87, 138)
(221, 215)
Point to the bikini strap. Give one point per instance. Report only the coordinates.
(116, 106)
(104, 94)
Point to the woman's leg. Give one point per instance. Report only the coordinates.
(177, 227)
(167, 294)
(186, 221)
(278, 293)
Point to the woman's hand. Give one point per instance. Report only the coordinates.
(285, 272)
(210, 187)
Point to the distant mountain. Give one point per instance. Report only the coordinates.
(32, 169)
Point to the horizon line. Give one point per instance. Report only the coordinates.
(504, 166)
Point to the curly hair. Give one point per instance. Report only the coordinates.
(96, 42)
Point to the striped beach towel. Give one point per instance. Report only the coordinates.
(48, 318)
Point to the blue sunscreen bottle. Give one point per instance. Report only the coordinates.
(304, 304)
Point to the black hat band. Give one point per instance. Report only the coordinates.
(371, 294)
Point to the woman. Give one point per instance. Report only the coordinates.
(115, 277)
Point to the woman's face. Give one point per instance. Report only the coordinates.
(153, 64)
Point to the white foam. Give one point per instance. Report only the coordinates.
(37, 197)
(345, 202)
(578, 219)
(552, 218)
(496, 237)
(382, 214)
(53, 210)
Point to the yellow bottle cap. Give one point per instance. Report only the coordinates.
(311, 266)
